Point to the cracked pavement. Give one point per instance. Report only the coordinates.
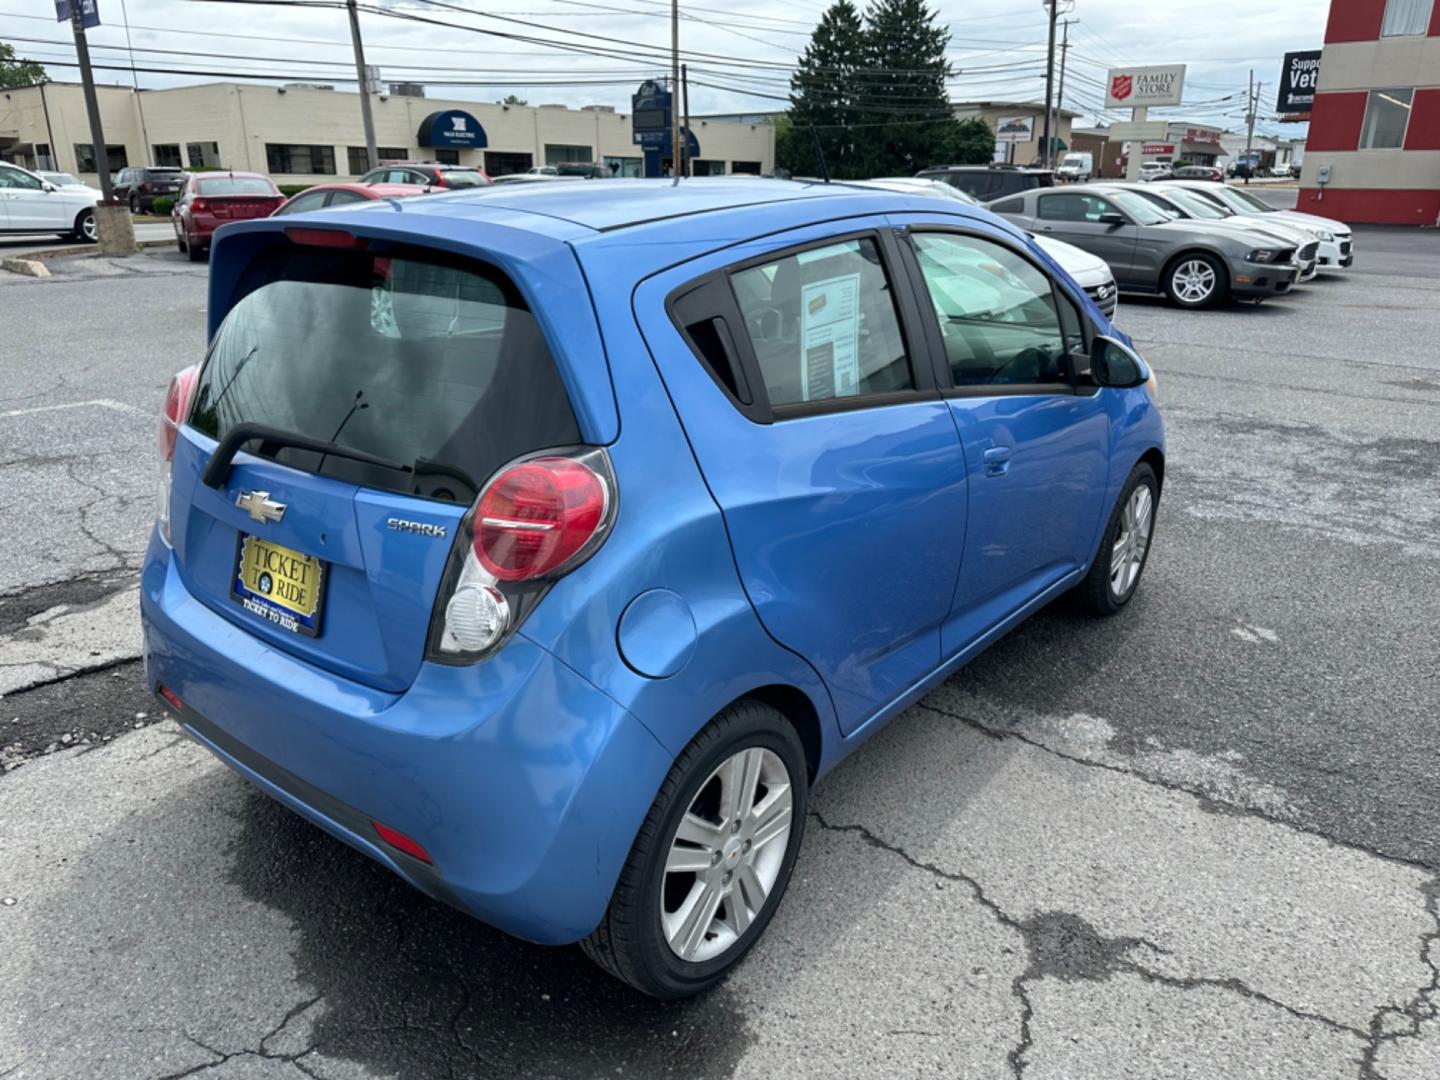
(1193, 841)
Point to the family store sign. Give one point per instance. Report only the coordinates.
(1141, 88)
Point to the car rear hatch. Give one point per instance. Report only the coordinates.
(236, 198)
(424, 372)
(240, 207)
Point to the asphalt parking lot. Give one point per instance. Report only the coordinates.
(1197, 840)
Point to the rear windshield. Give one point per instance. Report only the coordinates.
(236, 185)
(463, 178)
(435, 365)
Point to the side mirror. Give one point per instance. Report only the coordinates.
(47, 186)
(1112, 217)
(1112, 363)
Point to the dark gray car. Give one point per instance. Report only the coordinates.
(1195, 263)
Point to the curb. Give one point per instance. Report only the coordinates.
(34, 261)
(30, 267)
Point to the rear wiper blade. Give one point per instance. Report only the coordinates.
(219, 466)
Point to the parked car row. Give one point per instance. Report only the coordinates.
(1194, 241)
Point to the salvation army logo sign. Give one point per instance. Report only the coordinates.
(1121, 86)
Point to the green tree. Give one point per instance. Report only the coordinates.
(17, 72)
(511, 99)
(822, 106)
(902, 87)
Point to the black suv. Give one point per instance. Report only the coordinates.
(989, 182)
(140, 187)
(426, 172)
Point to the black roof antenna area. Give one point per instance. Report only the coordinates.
(819, 154)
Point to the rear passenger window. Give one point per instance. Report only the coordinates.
(1009, 206)
(823, 324)
(997, 312)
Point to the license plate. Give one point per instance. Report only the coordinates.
(285, 586)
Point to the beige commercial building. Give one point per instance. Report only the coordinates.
(306, 134)
(1019, 127)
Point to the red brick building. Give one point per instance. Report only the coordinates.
(1376, 118)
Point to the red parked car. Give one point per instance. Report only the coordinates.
(322, 195)
(209, 200)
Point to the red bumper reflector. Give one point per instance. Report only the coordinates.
(173, 698)
(401, 842)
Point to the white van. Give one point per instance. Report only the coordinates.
(1076, 167)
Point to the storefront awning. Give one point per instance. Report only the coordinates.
(452, 128)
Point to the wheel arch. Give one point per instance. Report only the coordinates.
(797, 708)
(1155, 458)
(1192, 250)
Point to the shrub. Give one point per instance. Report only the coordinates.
(162, 206)
(291, 190)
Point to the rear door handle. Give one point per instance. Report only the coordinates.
(997, 461)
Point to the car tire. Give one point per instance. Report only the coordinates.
(135, 204)
(707, 909)
(1125, 546)
(1196, 280)
(194, 251)
(85, 227)
(180, 244)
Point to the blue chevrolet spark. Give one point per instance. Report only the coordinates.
(548, 545)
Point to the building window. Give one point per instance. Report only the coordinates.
(359, 157)
(625, 166)
(503, 163)
(555, 154)
(1406, 18)
(703, 167)
(43, 160)
(300, 160)
(166, 155)
(85, 158)
(447, 157)
(1387, 114)
(749, 168)
(203, 155)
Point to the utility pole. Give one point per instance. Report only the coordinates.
(685, 92)
(1054, 8)
(1060, 93)
(372, 155)
(674, 88)
(92, 103)
(1250, 126)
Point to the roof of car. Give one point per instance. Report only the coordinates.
(606, 205)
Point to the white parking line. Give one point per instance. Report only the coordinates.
(100, 403)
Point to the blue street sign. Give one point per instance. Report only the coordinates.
(89, 12)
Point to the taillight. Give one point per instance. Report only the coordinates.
(535, 516)
(333, 238)
(534, 522)
(177, 407)
(199, 205)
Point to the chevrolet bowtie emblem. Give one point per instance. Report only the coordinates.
(259, 505)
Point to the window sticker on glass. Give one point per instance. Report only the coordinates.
(830, 336)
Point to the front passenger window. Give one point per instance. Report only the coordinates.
(997, 312)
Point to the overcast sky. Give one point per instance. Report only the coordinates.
(997, 46)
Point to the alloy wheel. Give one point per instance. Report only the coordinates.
(87, 226)
(726, 854)
(1194, 281)
(1127, 555)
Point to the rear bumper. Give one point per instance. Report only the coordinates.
(524, 783)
